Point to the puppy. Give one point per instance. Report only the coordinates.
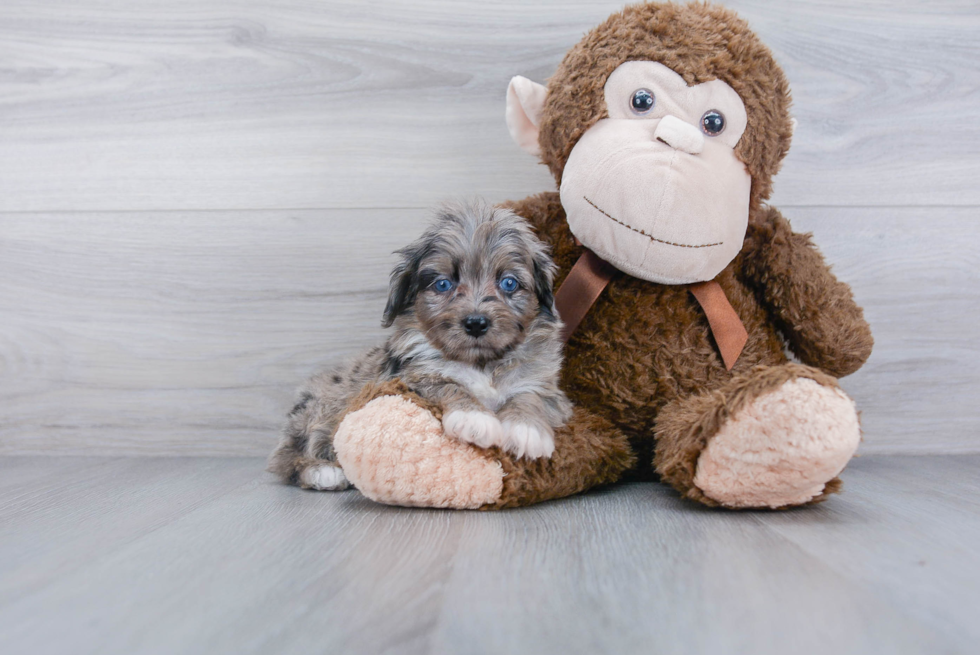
(475, 331)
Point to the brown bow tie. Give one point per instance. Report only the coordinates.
(590, 275)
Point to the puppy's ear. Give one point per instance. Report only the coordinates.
(403, 285)
(544, 279)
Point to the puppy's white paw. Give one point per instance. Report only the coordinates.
(478, 428)
(324, 477)
(526, 440)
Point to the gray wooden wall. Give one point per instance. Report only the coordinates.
(198, 199)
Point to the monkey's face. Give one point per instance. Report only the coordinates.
(656, 188)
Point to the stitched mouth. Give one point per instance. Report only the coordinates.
(649, 236)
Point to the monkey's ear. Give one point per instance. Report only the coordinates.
(525, 104)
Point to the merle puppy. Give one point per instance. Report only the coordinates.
(475, 331)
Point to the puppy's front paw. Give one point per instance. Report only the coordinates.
(475, 427)
(527, 440)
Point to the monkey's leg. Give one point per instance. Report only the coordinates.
(392, 447)
(776, 436)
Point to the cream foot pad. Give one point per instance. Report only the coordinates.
(780, 449)
(395, 453)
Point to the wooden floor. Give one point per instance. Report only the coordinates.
(211, 555)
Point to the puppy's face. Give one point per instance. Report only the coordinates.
(473, 284)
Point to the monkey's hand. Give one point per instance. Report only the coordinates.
(815, 311)
(393, 447)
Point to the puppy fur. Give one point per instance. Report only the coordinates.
(475, 331)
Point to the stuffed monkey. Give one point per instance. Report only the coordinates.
(681, 289)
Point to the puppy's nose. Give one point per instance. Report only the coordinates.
(476, 325)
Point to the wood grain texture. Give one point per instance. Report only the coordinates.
(916, 272)
(146, 333)
(72, 500)
(204, 555)
(161, 295)
(904, 504)
(186, 333)
(250, 104)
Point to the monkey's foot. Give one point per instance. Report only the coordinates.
(776, 438)
(392, 448)
(781, 449)
(395, 452)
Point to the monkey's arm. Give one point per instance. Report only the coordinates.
(815, 311)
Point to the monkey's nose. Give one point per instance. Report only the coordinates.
(679, 135)
(476, 325)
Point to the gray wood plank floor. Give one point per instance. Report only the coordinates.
(211, 555)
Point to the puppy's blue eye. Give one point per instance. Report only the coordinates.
(442, 285)
(508, 284)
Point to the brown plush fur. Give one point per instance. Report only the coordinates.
(644, 345)
(391, 388)
(589, 452)
(644, 350)
(642, 367)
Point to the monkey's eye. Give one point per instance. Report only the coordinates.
(642, 101)
(508, 284)
(442, 285)
(713, 123)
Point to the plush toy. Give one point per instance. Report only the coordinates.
(680, 288)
